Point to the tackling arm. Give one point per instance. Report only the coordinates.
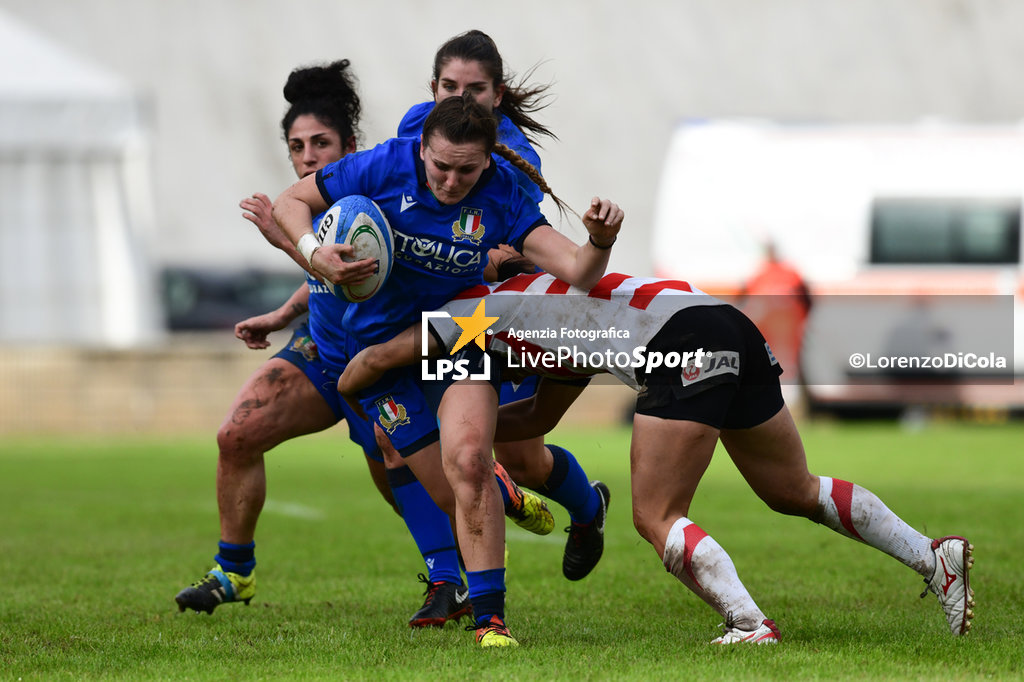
(370, 364)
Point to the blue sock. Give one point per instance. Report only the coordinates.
(568, 486)
(487, 593)
(240, 559)
(504, 491)
(428, 525)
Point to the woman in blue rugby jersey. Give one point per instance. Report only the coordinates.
(431, 189)
(470, 62)
(288, 395)
(293, 394)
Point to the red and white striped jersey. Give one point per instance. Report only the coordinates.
(547, 327)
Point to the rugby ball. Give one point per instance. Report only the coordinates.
(358, 222)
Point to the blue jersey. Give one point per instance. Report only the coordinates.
(325, 311)
(324, 308)
(440, 249)
(509, 135)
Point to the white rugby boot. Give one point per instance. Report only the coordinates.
(765, 633)
(951, 581)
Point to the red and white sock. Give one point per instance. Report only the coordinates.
(700, 563)
(857, 513)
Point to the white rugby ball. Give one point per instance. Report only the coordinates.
(358, 222)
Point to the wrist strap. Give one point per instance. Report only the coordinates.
(306, 245)
(602, 248)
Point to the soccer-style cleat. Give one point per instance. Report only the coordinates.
(765, 633)
(527, 510)
(445, 601)
(493, 633)
(951, 581)
(585, 545)
(215, 588)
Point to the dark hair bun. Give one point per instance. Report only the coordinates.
(317, 81)
(326, 91)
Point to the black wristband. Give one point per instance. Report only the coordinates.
(603, 248)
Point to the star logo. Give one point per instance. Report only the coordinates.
(474, 328)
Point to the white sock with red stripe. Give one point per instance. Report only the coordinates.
(859, 514)
(700, 563)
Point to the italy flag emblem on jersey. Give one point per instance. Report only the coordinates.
(392, 414)
(469, 226)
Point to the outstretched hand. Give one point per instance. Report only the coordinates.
(603, 220)
(254, 330)
(257, 209)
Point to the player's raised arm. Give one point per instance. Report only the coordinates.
(581, 266)
(257, 209)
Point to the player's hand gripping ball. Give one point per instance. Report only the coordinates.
(358, 222)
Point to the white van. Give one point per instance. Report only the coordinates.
(908, 236)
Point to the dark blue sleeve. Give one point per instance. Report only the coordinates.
(517, 242)
(411, 124)
(513, 138)
(522, 213)
(356, 173)
(320, 186)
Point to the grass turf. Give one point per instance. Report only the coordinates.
(98, 536)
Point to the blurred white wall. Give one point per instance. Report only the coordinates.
(623, 74)
(75, 206)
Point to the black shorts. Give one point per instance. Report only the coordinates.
(735, 385)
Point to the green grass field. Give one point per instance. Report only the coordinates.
(99, 535)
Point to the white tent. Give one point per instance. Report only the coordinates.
(75, 214)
